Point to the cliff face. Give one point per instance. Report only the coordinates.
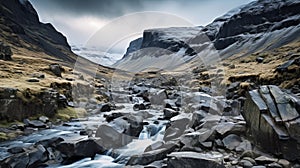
(259, 25)
(20, 27)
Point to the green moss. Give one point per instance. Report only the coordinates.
(3, 136)
(6, 124)
(66, 114)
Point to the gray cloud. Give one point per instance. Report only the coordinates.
(104, 8)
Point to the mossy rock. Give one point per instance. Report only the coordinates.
(68, 113)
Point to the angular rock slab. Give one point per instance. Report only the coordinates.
(194, 159)
(273, 121)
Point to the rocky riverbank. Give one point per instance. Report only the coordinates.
(156, 125)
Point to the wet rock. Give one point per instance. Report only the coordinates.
(193, 159)
(169, 113)
(86, 132)
(105, 107)
(225, 128)
(190, 139)
(18, 160)
(73, 151)
(284, 163)
(37, 156)
(265, 160)
(137, 107)
(120, 131)
(176, 128)
(15, 150)
(170, 104)
(245, 163)
(112, 138)
(232, 141)
(157, 98)
(113, 116)
(34, 123)
(5, 52)
(44, 119)
(56, 69)
(245, 145)
(274, 165)
(206, 134)
(52, 142)
(207, 145)
(151, 156)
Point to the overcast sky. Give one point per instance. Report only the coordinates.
(80, 19)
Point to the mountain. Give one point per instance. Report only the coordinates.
(20, 27)
(258, 26)
(38, 68)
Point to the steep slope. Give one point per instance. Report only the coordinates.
(38, 68)
(20, 27)
(257, 26)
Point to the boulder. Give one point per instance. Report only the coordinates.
(73, 151)
(44, 119)
(34, 123)
(105, 107)
(273, 121)
(5, 52)
(33, 158)
(194, 159)
(56, 69)
(169, 113)
(151, 156)
(232, 141)
(120, 131)
(15, 150)
(33, 80)
(157, 98)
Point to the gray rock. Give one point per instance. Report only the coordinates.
(157, 98)
(245, 145)
(284, 163)
(232, 141)
(15, 150)
(169, 113)
(5, 52)
(245, 163)
(225, 128)
(56, 69)
(151, 156)
(105, 107)
(44, 119)
(73, 151)
(193, 159)
(274, 122)
(120, 131)
(259, 59)
(34, 123)
(33, 80)
(265, 160)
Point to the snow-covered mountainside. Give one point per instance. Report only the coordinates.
(96, 55)
(259, 25)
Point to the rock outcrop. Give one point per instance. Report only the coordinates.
(15, 105)
(273, 119)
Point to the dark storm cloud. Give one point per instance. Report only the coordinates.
(106, 8)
